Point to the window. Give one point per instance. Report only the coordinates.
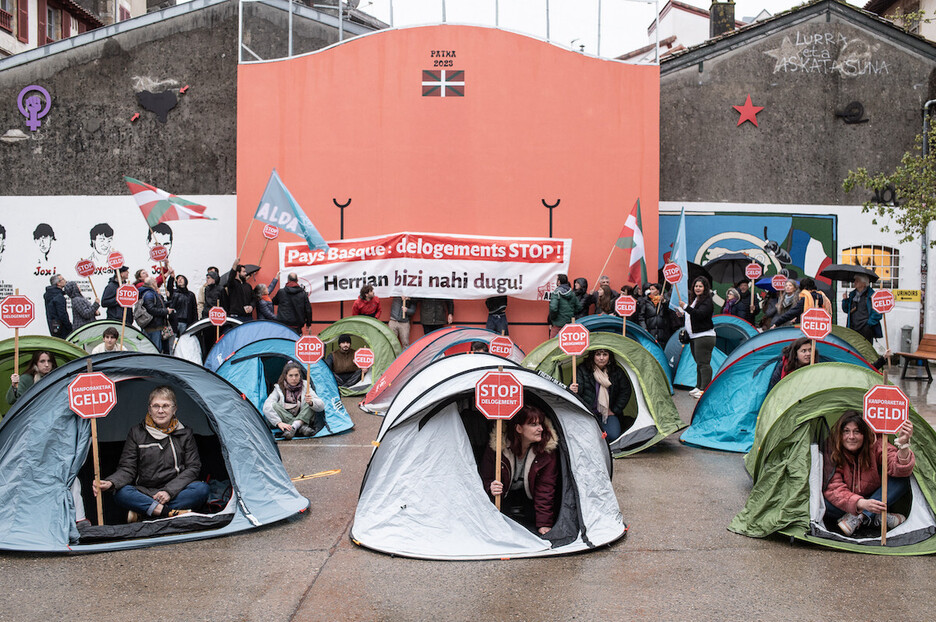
(7, 11)
(53, 24)
(884, 260)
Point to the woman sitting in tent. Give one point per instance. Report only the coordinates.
(157, 475)
(42, 363)
(530, 466)
(293, 407)
(605, 390)
(853, 494)
(797, 354)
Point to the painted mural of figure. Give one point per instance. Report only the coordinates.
(43, 236)
(160, 234)
(2, 241)
(102, 244)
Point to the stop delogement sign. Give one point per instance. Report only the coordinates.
(217, 316)
(92, 395)
(499, 395)
(672, 273)
(573, 339)
(886, 407)
(310, 349)
(127, 296)
(17, 311)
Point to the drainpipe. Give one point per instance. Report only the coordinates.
(924, 241)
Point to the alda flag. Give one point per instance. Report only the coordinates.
(278, 207)
(631, 238)
(160, 206)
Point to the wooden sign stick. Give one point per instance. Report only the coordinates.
(812, 352)
(752, 295)
(886, 347)
(123, 325)
(93, 290)
(97, 463)
(16, 368)
(262, 250)
(498, 428)
(624, 326)
(241, 251)
(884, 488)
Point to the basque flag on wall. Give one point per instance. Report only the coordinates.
(443, 83)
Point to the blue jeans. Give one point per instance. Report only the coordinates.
(897, 487)
(612, 427)
(156, 337)
(191, 497)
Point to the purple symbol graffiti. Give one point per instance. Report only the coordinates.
(30, 107)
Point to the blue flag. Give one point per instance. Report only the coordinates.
(678, 257)
(278, 207)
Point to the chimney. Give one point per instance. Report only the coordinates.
(721, 18)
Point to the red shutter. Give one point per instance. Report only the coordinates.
(41, 21)
(22, 21)
(82, 27)
(66, 24)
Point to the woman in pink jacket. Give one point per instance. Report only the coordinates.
(853, 494)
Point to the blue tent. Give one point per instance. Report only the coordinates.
(730, 332)
(726, 414)
(254, 368)
(239, 336)
(612, 324)
(45, 448)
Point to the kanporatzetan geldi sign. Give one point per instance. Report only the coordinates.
(429, 265)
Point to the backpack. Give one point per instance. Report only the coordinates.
(140, 315)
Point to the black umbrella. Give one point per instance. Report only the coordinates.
(695, 270)
(847, 272)
(729, 268)
(251, 269)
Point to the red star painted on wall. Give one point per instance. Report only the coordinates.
(748, 112)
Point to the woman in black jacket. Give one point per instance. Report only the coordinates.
(183, 301)
(698, 314)
(605, 390)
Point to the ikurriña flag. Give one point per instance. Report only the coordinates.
(278, 207)
(631, 238)
(160, 206)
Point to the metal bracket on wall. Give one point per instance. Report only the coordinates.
(550, 208)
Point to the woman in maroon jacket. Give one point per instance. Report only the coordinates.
(529, 470)
(853, 494)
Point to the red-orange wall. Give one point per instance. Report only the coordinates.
(536, 122)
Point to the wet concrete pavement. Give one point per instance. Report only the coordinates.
(678, 560)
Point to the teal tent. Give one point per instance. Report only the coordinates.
(366, 332)
(45, 448)
(254, 368)
(651, 402)
(786, 464)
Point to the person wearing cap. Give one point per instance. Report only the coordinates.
(341, 362)
(109, 298)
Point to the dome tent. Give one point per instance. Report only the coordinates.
(612, 324)
(725, 415)
(422, 494)
(786, 464)
(420, 353)
(367, 332)
(44, 446)
(193, 345)
(91, 334)
(62, 350)
(650, 402)
(247, 333)
(254, 368)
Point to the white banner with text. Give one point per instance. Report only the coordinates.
(428, 265)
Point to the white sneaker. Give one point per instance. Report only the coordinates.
(696, 393)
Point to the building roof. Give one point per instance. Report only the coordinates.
(667, 43)
(79, 11)
(688, 8)
(878, 6)
(781, 21)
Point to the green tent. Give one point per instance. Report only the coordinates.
(90, 335)
(366, 332)
(651, 402)
(61, 350)
(786, 463)
(855, 340)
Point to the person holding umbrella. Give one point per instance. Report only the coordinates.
(857, 305)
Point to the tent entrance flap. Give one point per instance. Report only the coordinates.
(919, 526)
